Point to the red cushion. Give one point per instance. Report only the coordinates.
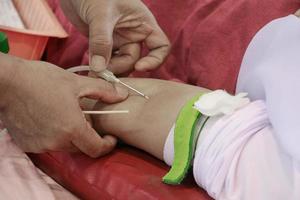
(209, 39)
(127, 173)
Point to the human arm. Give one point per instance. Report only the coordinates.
(39, 105)
(149, 121)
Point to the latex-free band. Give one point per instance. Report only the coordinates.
(184, 142)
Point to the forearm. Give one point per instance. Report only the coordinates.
(149, 121)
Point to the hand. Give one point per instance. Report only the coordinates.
(41, 110)
(121, 27)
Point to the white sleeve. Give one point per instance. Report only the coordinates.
(271, 71)
(239, 159)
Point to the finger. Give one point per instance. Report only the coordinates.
(100, 41)
(125, 60)
(90, 143)
(159, 48)
(99, 89)
(129, 35)
(129, 24)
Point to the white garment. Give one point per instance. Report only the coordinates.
(241, 156)
(271, 71)
(237, 158)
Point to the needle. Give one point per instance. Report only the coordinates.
(110, 77)
(106, 112)
(135, 90)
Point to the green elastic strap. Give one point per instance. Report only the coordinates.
(4, 47)
(184, 142)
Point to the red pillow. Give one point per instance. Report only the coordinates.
(127, 173)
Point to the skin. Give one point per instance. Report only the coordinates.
(116, 31)
(39, 105)
(149, 121)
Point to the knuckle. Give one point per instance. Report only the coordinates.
(166, 52)
(100, 41)
(166, 47)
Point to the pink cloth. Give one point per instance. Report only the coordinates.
(20, 179)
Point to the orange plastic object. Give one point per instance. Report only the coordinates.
(40, 24)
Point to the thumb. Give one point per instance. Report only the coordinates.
(100, 42)
(99, 89)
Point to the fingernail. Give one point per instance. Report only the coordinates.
(123, 92)
(98, 63)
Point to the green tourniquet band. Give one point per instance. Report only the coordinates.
(4, 48)
(184, 137)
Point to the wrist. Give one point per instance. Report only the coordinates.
(8, 68)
